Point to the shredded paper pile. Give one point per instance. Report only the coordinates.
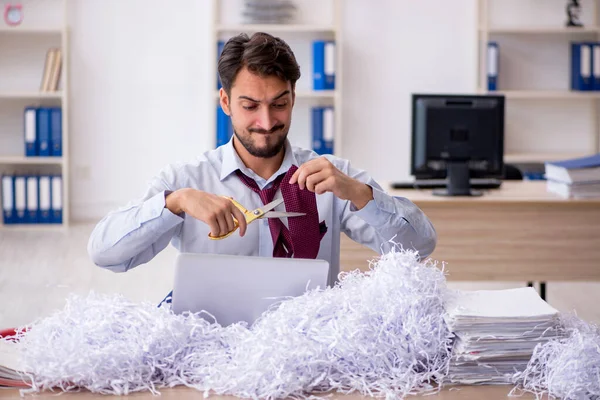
(379, 333)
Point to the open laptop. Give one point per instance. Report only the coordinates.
(240, 288)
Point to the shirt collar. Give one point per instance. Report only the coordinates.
(232, 162)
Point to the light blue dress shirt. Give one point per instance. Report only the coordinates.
(135, 233)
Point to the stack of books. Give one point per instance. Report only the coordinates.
(496, 332)
(574, 178)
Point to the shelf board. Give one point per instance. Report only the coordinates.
(540, 157)
(274, 28)
(32, 30)
(31, 95)
(546, 94)
(22, 160)
(308, 94)
(542, 30)
(33, 227)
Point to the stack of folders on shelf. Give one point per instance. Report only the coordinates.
(268, 11)
(323, 130)
(52, 71)
(30, 199)
(324, 65)
(574, 178)
(43, 131)
(585, 66)
(496, 332)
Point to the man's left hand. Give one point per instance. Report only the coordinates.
(319, 175)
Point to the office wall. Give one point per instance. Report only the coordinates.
(142, 86)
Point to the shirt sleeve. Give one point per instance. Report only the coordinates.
(387, 221)
(136, 233)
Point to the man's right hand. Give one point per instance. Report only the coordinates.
(216, 211)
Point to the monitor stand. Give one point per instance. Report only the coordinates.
(457, 178)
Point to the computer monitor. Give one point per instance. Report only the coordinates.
(456, 138)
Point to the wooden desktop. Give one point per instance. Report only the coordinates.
(519, 232)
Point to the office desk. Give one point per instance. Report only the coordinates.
(519, 232)
(184, 393)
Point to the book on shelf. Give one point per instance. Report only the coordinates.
(52, 71)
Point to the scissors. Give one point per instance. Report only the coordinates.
(259, 213)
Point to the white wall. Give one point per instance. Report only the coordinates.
(142, 85)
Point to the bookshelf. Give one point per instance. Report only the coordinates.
(534, 76)
(299, 34)
(23, 52)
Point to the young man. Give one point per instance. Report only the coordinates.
(184, 203)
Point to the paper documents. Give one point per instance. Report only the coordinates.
(496, 332)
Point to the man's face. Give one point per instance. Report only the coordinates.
(261, 112)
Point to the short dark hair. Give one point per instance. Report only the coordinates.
(263, 54)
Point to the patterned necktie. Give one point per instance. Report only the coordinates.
(303, 237)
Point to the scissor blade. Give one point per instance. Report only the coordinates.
(268, 206)
(282, 214)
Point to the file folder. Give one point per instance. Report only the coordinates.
(57, 200)
(328, 130)
(56, 132)
(581, 66)
(30, 128)
(596, 66)
(32, 200)
(492, 66)
(20, 200)
(45, 203)
(324, 65)
(8, 199)
(317, 130)
(43, 131)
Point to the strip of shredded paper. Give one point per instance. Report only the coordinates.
(567, 368)
(380, 333)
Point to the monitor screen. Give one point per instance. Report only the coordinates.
(457, 131)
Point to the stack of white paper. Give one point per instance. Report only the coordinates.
(496, 332)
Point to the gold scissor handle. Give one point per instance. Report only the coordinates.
(249, 218)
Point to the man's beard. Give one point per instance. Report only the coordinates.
(262, 152)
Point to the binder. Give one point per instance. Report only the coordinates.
(20, 200)
(30, 131)
(323, 65)
(220, 45)
(581, 66)
(56, 132)
(56, 204)
(492, 66)
(328, 130)
(317, 129)
(44, 216)
(224, 127)
(43, 131)
(32, 200)
(8, 200)
(596, 66)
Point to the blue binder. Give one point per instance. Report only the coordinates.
(317, 129)
(492, 66)
(33, 199)
(30, 131)
(8, 199)
(224, 127)
(45, 191)
(595, 66)
(56, 132)
(43, 131)
(328, 129)
(220, 45)
(323, 65)
(20, 204)
(56, 202)
(581, 66)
